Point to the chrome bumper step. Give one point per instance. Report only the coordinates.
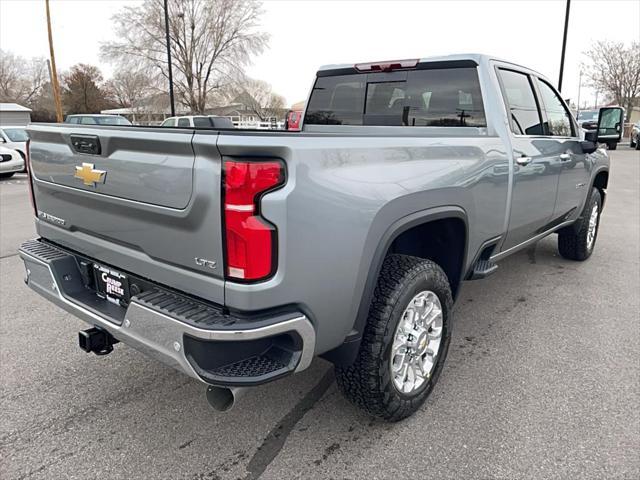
(192, 336)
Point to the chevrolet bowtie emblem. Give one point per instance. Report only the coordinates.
(89, 175)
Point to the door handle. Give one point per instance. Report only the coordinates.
(89, 144)
(523, 161)
(564, 157)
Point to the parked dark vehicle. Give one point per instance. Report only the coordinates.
(236, 256)
(634, 136)
(588, 120)
(195, 121)
(95, 119)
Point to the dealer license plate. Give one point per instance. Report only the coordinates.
(111, 285)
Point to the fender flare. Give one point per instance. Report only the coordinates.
(575, 226)
(597, 172)
(346, 353)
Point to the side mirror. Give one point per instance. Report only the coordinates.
(588, 147)
(610, 121)
(591, 136)
(590, 142)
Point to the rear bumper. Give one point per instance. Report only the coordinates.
(210, 345)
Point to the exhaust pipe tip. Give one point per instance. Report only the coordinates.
(223, 399)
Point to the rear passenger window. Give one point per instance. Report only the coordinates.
(337, 100)
(183, 122)
(524, 115)
(446, 97)
(558, 119)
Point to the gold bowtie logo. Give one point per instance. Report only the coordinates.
(89, 175)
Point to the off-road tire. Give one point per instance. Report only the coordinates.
(367, 382)
(572, 240)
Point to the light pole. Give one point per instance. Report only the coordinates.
(166, 28)
(579, 87)
(564, 44)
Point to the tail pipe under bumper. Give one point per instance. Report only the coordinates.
(223, 399)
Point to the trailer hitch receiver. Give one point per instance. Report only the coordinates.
(96, 340)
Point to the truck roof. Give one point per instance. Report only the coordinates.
(479, 58)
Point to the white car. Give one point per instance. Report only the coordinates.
(14, 137)
(198, 121)
(10, 162)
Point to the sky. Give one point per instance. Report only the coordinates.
(308, 34)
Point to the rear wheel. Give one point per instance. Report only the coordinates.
(612, 145)
(577, 242)
(6, 175)
(405, 340)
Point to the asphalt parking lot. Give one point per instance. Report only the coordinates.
(542, 381)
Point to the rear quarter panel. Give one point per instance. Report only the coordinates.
(342, 195)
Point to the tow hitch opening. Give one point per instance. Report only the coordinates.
(96, 340)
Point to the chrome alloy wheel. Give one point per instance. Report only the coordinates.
(593, 225)
(416, 342)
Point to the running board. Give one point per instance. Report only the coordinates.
(482, 269)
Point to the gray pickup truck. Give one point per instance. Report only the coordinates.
(238, 256)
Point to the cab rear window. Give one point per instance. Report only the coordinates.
(444, 97)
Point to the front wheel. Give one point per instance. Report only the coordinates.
(576, 242)
(405, 341)
(6, 175)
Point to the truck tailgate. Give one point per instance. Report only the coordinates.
(143, 200)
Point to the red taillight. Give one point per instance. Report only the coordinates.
(386, 66)
(27, 165)
(250, 239)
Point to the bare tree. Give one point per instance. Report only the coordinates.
(210, 41)
(615, 70)
(258, 97)
(43, 105)
(129, 87)
(21, 80)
